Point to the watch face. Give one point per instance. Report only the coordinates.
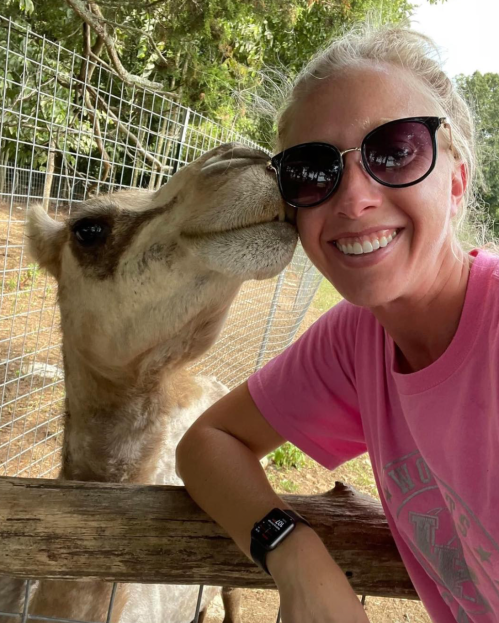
(273, 529)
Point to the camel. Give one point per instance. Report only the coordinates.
(145, 281)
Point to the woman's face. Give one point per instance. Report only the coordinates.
(342, 111)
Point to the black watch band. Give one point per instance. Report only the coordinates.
(268, 533)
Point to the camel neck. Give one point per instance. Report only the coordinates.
(114, 426)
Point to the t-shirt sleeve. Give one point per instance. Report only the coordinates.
(308, 394)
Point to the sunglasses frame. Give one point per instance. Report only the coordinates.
(431, 123)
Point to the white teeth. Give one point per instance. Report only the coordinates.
(366, 246)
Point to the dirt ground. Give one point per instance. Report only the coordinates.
(31, 411)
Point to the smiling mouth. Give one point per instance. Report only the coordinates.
(361, 245)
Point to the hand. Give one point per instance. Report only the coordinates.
(312, 587)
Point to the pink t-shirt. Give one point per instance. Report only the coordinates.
(432, 436)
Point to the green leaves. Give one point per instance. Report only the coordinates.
(482, 92)
(216, 54)
(287, 456)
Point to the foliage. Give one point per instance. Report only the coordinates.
(482, 92)
(33, 272)
(287, 455)
(288, 485)
(209, 53)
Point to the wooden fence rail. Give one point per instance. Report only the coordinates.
(130, 533)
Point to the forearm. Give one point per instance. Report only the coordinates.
(226, 480)
(218, 460)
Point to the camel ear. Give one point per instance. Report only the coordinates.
(45, 239)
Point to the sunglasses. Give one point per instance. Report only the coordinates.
(396, 154)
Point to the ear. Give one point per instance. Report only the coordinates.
(458, 187)
(45, 239)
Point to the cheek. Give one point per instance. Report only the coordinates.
(309, 223)
(309, 229)
(428, 203)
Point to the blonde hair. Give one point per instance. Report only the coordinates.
(417, 54)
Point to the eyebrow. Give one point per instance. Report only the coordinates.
(370, 125)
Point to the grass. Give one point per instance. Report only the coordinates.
(287, 455)
(33, 272)
(286, 458)
(11, 284)
(289, 486)
(358, 473)
(326, 297)
(23, 280)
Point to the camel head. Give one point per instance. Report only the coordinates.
(148, 276)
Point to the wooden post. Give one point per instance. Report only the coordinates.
(49, 174)
(131, 533)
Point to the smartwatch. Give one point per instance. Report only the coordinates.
(270, 531)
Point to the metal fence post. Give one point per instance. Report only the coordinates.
(270, 320)
(183, 136)
(303, 308)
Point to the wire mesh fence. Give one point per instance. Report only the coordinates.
(24, 616)
(28, 586)
(70, 129)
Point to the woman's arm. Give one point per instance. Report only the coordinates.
(218, 460)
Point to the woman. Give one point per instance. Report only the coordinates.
(406, 368)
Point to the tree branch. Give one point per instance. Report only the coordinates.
(95, 20)
(121, 126)
(102, 104)
(123, 26)
(87, 69)
(98, 138)
(155, 3)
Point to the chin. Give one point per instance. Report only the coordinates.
(367, 297)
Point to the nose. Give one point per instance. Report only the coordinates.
(357, 192)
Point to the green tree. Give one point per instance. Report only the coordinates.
(210, 55)
(482, 92)
(207, 52)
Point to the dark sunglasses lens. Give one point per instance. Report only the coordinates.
(399, 153)
(308, 173)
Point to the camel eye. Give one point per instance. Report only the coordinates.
(89, 232)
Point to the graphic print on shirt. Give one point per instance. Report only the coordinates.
(445, 536)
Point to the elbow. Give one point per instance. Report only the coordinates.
(181, 455)
(190, 452)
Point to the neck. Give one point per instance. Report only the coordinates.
(423, 327)
(117, 415)
(115, 428)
